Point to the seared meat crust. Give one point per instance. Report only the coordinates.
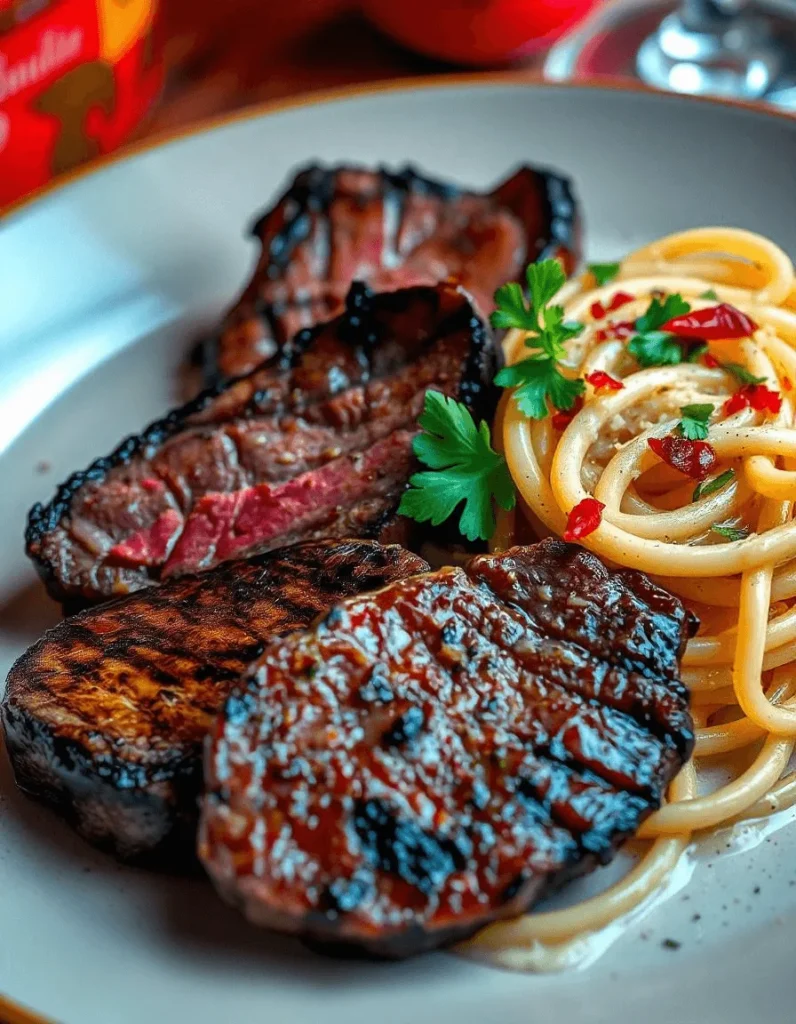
(106, 715)
(313, 444)
(392, 230)
(434, 756)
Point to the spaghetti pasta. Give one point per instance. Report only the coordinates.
(741, 666)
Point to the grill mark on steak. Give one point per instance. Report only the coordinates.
(432, 757)
(327, 427)
(390, 229)
(106, 715)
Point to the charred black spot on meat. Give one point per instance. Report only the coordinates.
(401, 848)
(344, 895)
(468, 793)
(514, 887)
(358, 327)
(405, 728)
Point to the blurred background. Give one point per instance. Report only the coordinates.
(79, 78)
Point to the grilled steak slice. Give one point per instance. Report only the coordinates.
(432, 757)
(313, 445)
(392, 230)
(105, 716)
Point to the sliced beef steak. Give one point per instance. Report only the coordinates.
(314, 444)
(432, 757)
(106, 715)
(336, 225)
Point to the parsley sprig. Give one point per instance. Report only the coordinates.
(741, 373)
(731, 532)
(465, 468)
(652, 346)
(694, 424)
(702, 490)
(538, 379)
(603, 273)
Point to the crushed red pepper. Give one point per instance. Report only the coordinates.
(754, 396)
(712, 323)
(619, 300)
(620, 330)
(601, 380)
(695, 459)
(584, 519)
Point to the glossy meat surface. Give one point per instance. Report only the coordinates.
(392, 230)
(106, 715)
(315, 444)
(431, 757)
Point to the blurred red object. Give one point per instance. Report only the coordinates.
(477, 32)
(76, 78)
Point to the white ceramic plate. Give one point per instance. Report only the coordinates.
(103, 285)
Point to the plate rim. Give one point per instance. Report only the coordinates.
(12, 1012)
(334, 94)
(15, 1013)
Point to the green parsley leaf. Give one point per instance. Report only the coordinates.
(694, 424)
(659, 312)
(537, 379)
(545, 280)
(710, 294)
(512, 310)
(656, 348)
(653, 347)
(604, 273)
(465, 469)
(744, 375)
(711, 486)
(731, 532)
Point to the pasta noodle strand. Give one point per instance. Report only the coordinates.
(741, 667)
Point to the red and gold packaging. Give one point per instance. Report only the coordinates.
(76, 78)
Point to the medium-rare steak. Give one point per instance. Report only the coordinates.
(106, 715)
(432, 757)
(314, 444)
(392, 230)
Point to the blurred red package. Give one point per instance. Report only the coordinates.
(76, 79)
(480, 33)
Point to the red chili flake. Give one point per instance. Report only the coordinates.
(736, 402)
(601, 380)
(152, 484)
(562, 419)
(584, 519)
(597, 310)
(711, 361)
(695, 459)
(619, 300)
(712, 323)
(787, 384)
(763, 399)
(757, 396)
(617, 331)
